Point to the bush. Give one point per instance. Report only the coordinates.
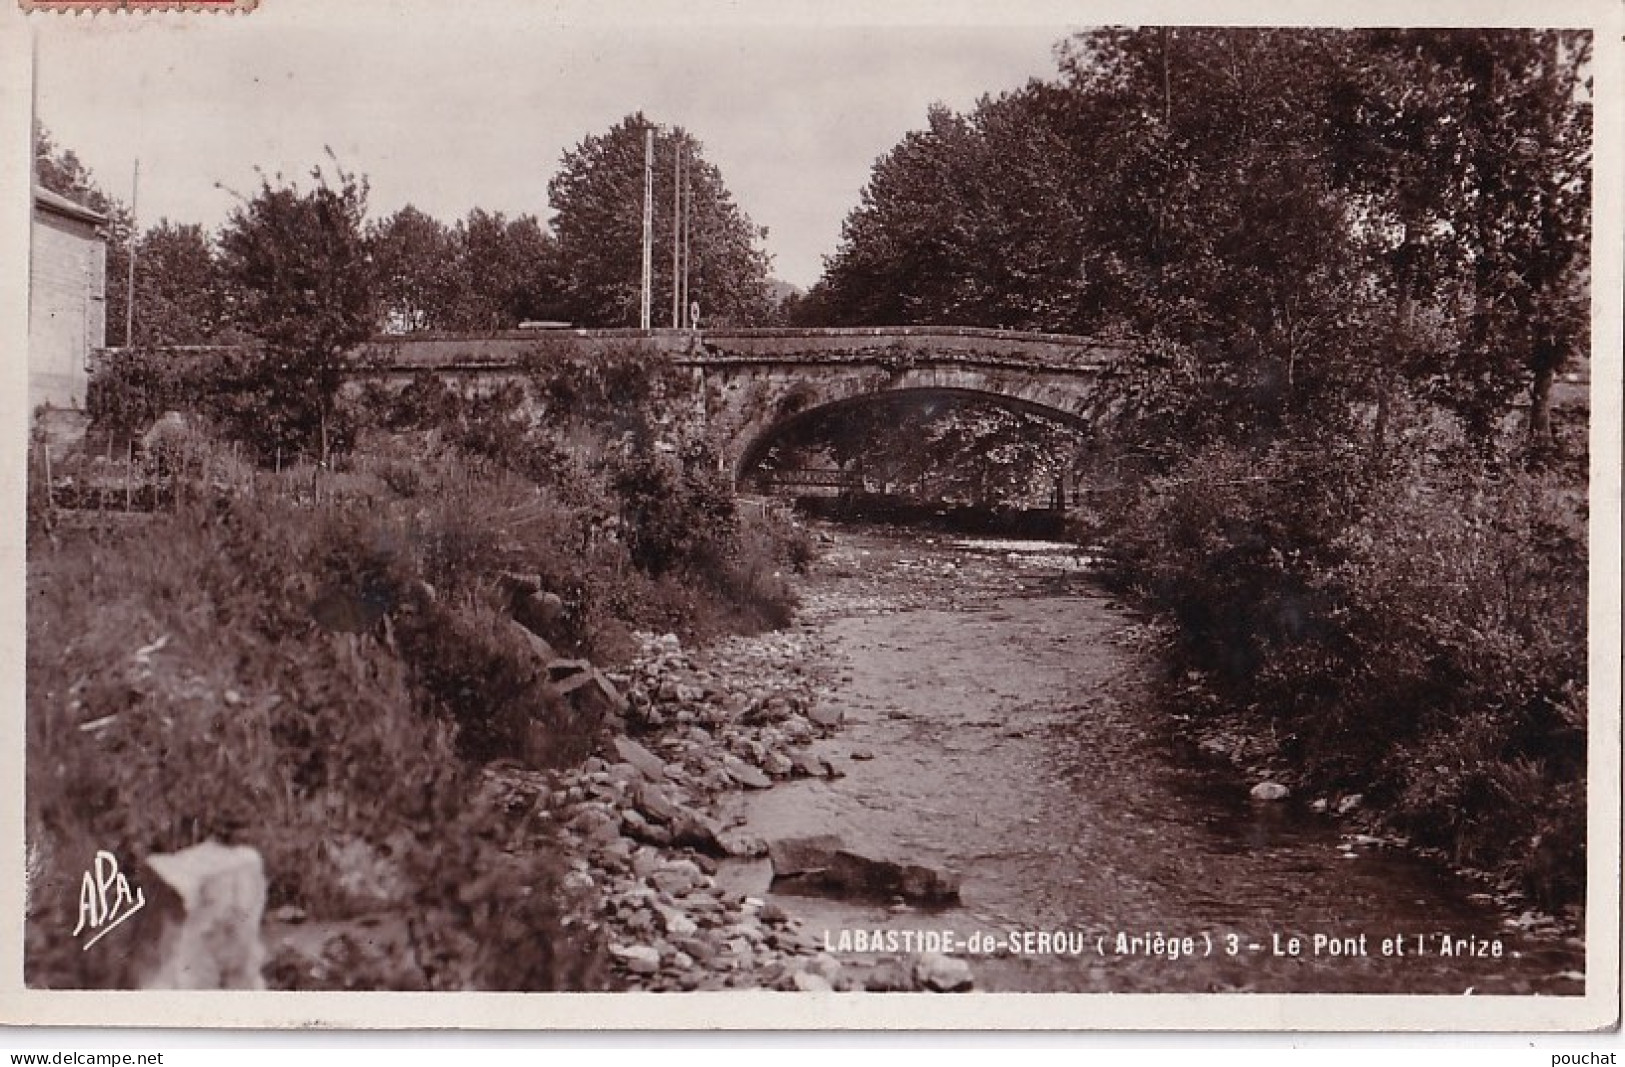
(1414, 631)
(677, 514)
(238, 390)
(234, 671)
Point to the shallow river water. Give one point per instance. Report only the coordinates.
(994, 700)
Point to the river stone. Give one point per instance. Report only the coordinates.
(742, 845)
(1269, 791)
(639, 959)
(596, 826)
(653, 802)
(616, 855)
(825, 716)
(645, 861)
(677, 924)
(744, 773)
(807, 764)
(942, 974)
(677, 877)
(889, 976)
(778, 764)
(629, 751)
(792, 856)
(808, 982)
(697, 831)
(860, 875)
(826, 966)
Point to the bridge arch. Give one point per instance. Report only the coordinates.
(753, 449)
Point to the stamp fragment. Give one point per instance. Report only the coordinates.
(137, 6)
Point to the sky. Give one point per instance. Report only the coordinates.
(473, 104)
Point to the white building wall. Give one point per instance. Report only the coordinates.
(67, 308)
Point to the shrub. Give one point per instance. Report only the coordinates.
(678, 514)
(1415, 631)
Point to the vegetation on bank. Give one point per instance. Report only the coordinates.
(318, 663)
(1414, 634)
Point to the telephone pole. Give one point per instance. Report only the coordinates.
(688, 212)
(135, 236)
(648, 220)
(676, 232)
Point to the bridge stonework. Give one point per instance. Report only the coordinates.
(749, 384)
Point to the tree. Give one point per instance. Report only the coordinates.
(1475, 148)
(415, 263)
(1298, 224)
(507, 272)
(298, 260)
(597, 198)
(970, 221)
(179, 296)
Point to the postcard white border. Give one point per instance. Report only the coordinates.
(1597, 1009)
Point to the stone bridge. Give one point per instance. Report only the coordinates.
(753, 384)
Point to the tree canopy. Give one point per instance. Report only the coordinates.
(597, 198)
(299, 263)
(1288, 219)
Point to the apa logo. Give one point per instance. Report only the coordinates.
(105, 899)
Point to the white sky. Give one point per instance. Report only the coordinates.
(472, 104)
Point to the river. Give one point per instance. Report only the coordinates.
(999, 725)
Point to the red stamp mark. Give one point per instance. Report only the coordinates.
(137, 6)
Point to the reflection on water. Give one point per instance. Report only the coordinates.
(1011, 744)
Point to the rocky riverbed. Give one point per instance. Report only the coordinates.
(953, 738)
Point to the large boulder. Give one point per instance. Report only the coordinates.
(796, 856)
(824, 864)
(861, 876)
(207, 904)
(649, 764)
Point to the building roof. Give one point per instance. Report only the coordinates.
(58, 204)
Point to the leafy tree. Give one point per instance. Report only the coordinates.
(1473, 148)
(1215, 233)
(597, 197)
(179, 295)
(507, 272)
(415, 262)
(969, 221)
(299, 262)
(488, 272)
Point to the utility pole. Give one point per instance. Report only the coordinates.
(688, 213)
(676, 232)
(648, 219)
(135, 234)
